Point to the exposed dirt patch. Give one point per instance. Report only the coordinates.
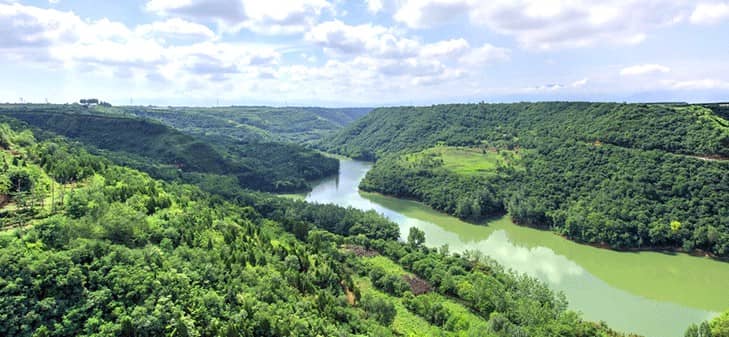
(417, 285)
(360, 251)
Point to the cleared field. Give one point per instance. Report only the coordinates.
(408, 323)
(386, 264)
(465, 160)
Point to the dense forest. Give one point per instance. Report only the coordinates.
(91, 248)
(170, 154)
(629, 176)
(717, 327)
(251, 124)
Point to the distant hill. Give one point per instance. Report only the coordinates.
(254, 123)
(626, 176)
(168, 153)
(90, 248)
(677, 129)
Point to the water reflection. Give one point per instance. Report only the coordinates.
(598, 300)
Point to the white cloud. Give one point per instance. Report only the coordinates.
(227, 11)
(27, 27)
(110, 48)
(267, 17)
(446, 48)
(374, 6)
(428, 13)
(485, 54)
(701, 84)
(176, 28)
(579, 83)
(553, 87)
(710, 13)
(552, 24)
(644, 69)
(385, 54)
(338, 37)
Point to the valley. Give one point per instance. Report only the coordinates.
(605, 285)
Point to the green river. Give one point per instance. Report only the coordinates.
(648, 293)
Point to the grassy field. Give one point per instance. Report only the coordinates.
(388, 265)
(465, 160)
(406, 322)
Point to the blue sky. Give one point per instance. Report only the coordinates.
(363, 52)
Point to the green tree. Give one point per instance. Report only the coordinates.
(379, 308)
(416, 237)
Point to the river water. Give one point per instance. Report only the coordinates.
(652, 294)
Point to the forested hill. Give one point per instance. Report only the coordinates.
(254, 124)
(680, 129)
(170, 154)
(90, 248)
(627, 176)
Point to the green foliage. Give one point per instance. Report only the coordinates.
(379, 308)
(254, 124)
(622, 175)
(720, 325)
(701, 330)
(687, 130)
(416, 237)
(127, 255)
(170, 154)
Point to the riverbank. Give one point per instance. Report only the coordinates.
(604, 284)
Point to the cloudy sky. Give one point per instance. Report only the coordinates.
(363, 52)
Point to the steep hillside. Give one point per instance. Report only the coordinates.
(254, 124)
(167, 153)
(627, 176)
(677, 129)
(113, 252)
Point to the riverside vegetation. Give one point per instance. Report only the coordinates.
(99, 241)
(91, 248)
(627, 176)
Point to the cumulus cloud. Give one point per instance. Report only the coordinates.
(700, 84)
(428, 13)
(268, 17)
(485, 54)
(551, 24)
(227, 11)
(375, 6)
(338, 37)
(30, 27)
(644, 69)
(176, 28)
(386, 53)
(446, 48)
(558, 86)
(710, 13)
(103, 46)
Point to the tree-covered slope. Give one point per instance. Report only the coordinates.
(168, 153)
(254, 124)
(629, 176)
(678, 129)
(117, 253)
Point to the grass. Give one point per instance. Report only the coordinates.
(385, 263)
(293, 196)
(406, 323)
(466, 161)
